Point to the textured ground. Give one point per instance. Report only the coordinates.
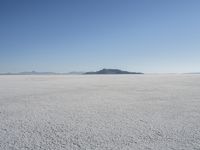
(136, 112)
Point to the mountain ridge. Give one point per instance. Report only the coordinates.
(112, 71)
(102, 71)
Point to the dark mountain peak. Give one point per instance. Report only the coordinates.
(112, 71)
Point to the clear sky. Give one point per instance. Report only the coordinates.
(86, 35)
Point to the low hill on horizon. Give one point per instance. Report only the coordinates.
(112, 71)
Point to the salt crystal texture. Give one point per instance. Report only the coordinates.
(101, 112)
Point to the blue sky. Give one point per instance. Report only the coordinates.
(84, 35)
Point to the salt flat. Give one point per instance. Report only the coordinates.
(101, 112)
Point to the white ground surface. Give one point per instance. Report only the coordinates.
(121, 112)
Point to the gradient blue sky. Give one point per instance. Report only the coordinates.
(85, 35)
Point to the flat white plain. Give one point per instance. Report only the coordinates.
(101, 112)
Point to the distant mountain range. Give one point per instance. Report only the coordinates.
(103, 71)
(112, 71)
(193, 73)
(40, 73)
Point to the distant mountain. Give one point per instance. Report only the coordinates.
(75, 73)
(103, 71)
(38, 73)
(33, 73)
(193, 73)
(112, 71)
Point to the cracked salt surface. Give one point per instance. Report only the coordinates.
(86, 112)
